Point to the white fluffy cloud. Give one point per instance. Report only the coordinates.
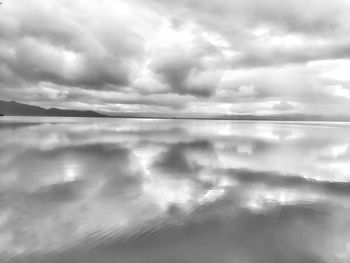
(184, 56)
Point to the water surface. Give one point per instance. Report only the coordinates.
(158, 191)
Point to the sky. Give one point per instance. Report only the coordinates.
(208, 57)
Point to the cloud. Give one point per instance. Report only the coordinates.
(283, 106)
(160, 56)
(184, 66)
(52, 43)
(333, 91)
(230, 91)
(267, 33)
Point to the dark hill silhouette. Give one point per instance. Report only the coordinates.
(13, 108)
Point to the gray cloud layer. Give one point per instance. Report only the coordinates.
(184, 56)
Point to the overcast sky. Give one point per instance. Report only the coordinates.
(183, 56)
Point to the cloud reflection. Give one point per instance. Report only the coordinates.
(173, 191)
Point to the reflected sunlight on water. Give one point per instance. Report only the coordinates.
(155, 191)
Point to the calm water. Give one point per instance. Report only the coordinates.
(159, 191)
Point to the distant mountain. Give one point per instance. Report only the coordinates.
(289, 117)
(245, 117)
(13, 108)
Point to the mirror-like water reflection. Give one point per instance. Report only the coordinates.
(157, 191)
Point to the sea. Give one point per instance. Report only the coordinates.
(95, 190)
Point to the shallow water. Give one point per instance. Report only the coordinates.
(158, 191)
